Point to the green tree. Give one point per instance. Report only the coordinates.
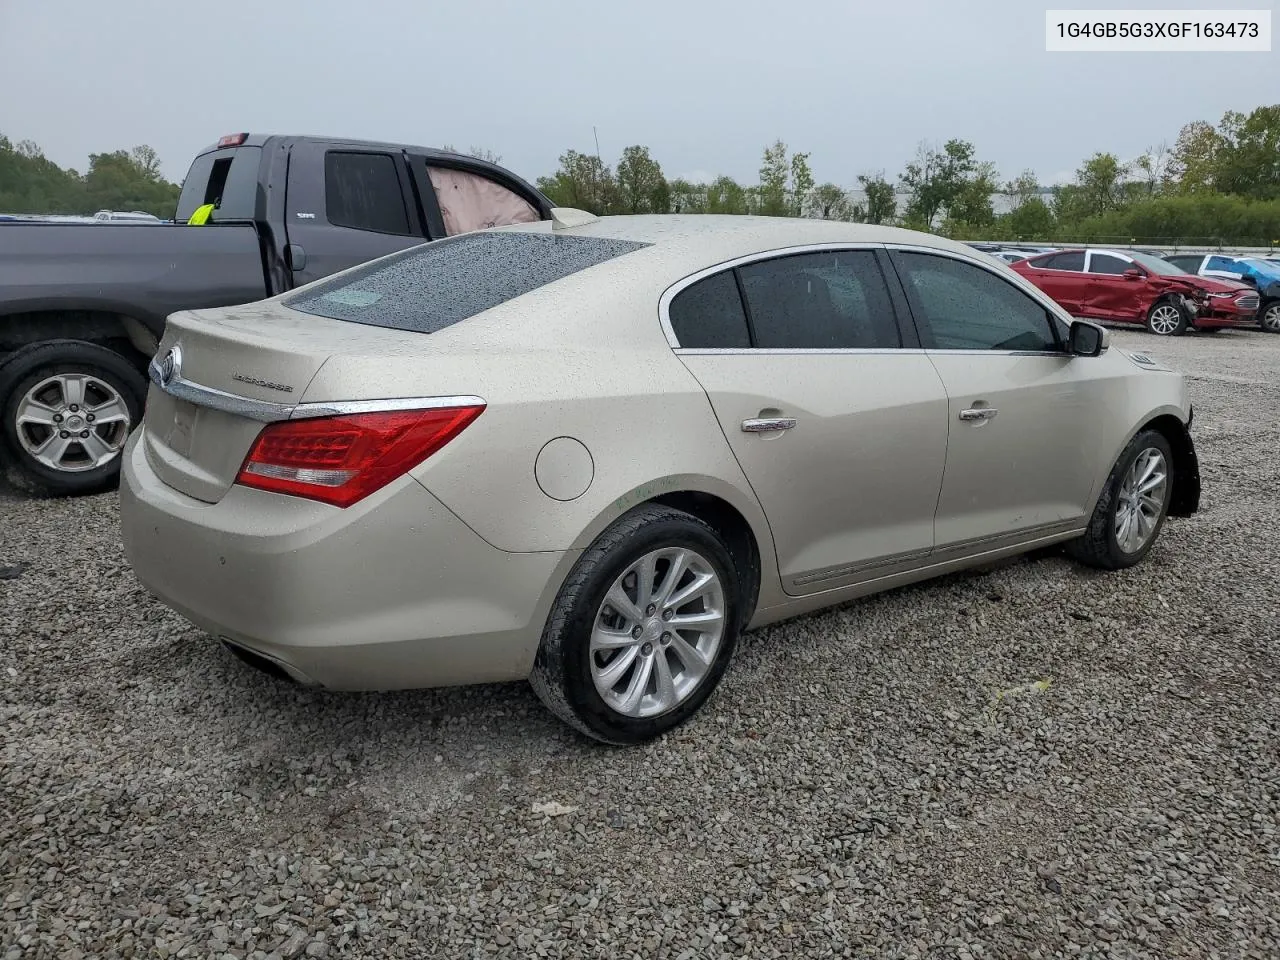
(726, 195)
(774, 173)
(582, 181)
(829, 202)
(970, 211)
(882, 203)
(937, 178)
(1193, 162)
(1098, 187)
(1152, 168)
(801, 183)
(1248, 161)
(1030, 220)
(641, 186)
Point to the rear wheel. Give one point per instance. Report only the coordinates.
(1167, 318)
(67, 408)
(1131, 509)
(643, 628)
(1269, 317)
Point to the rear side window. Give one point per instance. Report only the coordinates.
(435, 285)
(1061, 261)
(226, 178)
(1189, 264)
(815, 301)
(709, 314)
(1105, 263)
(362, 191)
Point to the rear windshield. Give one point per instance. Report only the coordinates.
(226, 178)
(437, 284)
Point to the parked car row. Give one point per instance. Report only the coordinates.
(1170, 294)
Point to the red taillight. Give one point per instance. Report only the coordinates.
(340, 460)
(232, 140)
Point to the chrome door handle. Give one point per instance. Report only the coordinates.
(978, 413)
(768, 424)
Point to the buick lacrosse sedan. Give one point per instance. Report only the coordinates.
(591, 451)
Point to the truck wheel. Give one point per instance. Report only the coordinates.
(66, 409)
(1167, 319)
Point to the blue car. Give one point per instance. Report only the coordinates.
(1258, 272)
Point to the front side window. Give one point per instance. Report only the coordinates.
(964, 307)
(362, 191)
(1106, 263)
(1190, 264)
(814, 301)
(1223, 263)
(469, 201)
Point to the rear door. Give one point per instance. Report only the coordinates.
(838, 422)
(1111, 295)
(1023, 446)
(347, 205)
(1062, 277)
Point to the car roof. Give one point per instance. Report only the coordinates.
(697, 241)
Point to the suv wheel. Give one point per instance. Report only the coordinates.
(67, 408)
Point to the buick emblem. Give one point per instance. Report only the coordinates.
(170, 366)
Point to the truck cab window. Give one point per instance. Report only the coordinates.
(469, 201)
(362, 191)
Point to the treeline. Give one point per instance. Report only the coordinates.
(32, 183)
(1215, 184)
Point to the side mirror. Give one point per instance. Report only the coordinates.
(1086, 339)
(1133, 274)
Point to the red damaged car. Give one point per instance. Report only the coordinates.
(1131, 287)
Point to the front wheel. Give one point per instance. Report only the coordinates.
(1269, 318)
(643, 628)
(1167, 319)
(67, 408)
(1131, 509)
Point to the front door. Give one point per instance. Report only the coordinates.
(839, 430)
(1022, 450)
(1112, 295)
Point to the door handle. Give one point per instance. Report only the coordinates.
(979, 413)
(768, 424)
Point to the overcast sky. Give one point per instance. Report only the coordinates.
(857, 83)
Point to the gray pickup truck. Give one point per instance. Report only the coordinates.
(83, 305)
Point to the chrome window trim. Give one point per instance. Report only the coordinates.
(1020, 283)
(265, 411)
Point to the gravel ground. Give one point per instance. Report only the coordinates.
(881, 780)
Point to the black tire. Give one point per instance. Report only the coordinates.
(562, 669)
(1269, 316)
(25, 370)
(1099, 547)
(1160, 306)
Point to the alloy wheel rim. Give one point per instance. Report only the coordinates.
(72, 422)
(1165, 319)
(1271, 319)
(1141, 500)
(657, 632)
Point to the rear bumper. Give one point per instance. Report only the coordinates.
(394, 592)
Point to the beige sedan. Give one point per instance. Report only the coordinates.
(590, 452)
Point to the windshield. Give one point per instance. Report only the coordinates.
(1157, 265)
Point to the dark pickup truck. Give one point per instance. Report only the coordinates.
(83, 305)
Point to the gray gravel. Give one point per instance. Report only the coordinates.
(859, 787)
